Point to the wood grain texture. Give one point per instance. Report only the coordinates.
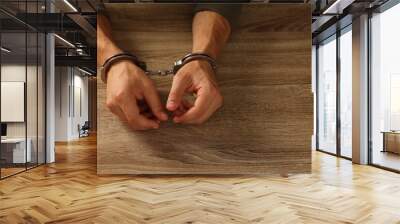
(392, 142)
(265, 125)
(69, 191)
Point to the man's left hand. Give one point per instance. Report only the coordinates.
(194, 77)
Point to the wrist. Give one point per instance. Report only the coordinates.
(195, 57)
(107, 50)
(202, 64)
(130, 61)
(118, 67)
(205, 50)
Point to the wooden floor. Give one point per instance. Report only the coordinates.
(5, 172)
(69, 191)
(387, 159)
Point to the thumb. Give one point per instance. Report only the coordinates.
(179, 84)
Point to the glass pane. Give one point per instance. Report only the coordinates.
(31, 100)
(13, 86)
(23, 90)
(32, 87)
(41, 98)
(346, 94)
(386, 89)
(314, 90)
(327, 96)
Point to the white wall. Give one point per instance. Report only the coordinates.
(81, 102)
(61, 114)
(71, 96)
(33, 126)
(16, 73)
(12, 101)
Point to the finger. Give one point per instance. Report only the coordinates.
(143, 107)
(150, 115)
(135, 119)
(144, 110)
(200, 111)
(181, 110)
(115, 109)
(179, 85)
(154, 102)
(186, 104)
(178, 113)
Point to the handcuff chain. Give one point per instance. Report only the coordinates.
(180, 63)
(177, 65)
(159, 72)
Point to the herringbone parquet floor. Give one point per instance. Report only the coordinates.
(69, 191)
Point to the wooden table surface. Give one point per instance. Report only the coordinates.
(266, 123)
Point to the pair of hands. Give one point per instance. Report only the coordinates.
(133, 97)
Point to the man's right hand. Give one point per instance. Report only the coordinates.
(132, 96)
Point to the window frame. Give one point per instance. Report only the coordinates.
(337, 34)
(31, 30)
(381, 9)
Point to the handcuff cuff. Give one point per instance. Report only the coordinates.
(175, 68)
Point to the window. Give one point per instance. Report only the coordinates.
(385, 89)
(334, 106)
(22, 78)
(327, 95)
(394, 102)
(346, 92)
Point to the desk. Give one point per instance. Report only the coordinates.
(266, 123)
(391, 141)
(16, 148)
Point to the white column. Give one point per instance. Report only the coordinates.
(314, 91)
(50, 94)
(360, 90)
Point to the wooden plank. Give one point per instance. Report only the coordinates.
(265, 125)
(69, 191)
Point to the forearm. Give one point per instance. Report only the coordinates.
(210, 33)
(106, 46)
